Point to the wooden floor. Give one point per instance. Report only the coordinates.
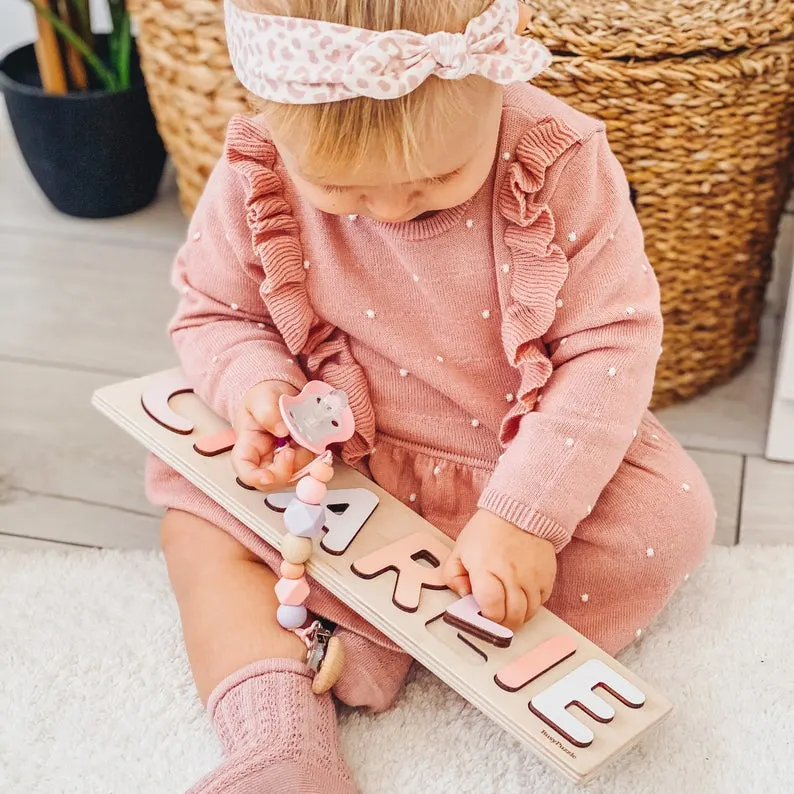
(85, 303)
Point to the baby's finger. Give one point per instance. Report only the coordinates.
(489, 593)
(534, 600)
(516, 602)
(247, 454)
(283, 464)
(267, 415)
(455, 575)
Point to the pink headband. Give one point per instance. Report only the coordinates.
(306, 62)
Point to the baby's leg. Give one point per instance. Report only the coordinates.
(648, 531)
(279, 736)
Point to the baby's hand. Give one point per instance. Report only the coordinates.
(509, 572)
(258, 424)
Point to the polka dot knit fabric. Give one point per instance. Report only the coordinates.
(498, 354)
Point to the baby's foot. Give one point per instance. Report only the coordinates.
(279, 736)
(372, 675)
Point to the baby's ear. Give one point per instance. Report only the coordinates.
(524, 16)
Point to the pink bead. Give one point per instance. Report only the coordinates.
(321, 471)
(291, 570)
(311, 491)
(292, 592)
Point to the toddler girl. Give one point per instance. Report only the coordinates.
(410, 221)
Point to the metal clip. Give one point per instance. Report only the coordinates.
(318, 645)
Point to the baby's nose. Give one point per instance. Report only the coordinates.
(391, 207)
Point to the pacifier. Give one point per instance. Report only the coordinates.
(317, 417)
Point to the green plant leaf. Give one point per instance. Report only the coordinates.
(125, 48)
(105, 75)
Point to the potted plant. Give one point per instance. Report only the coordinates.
(80, 113)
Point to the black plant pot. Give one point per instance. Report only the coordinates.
(94, 154)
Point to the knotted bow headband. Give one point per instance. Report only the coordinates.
(306, 62)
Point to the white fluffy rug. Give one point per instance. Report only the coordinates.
(96, 695)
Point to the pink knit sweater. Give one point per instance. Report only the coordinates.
(514, 337)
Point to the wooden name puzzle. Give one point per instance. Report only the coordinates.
(569, 702)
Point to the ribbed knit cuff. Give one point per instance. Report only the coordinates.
(524, 517)
(247, 370)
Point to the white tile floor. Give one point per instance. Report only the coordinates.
(86, 303)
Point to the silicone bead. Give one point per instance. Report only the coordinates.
(304, 520)
(289, 570)
(311, 491)
(292, 592)
(321, 470)
(291, 617)
(295, 549)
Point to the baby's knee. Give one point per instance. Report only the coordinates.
(194, 547)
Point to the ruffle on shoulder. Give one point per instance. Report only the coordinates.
(275, 237)
(539, 266)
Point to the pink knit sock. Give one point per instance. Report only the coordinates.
(372, 675)
(280, 737)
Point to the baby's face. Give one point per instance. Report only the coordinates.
(457, 159)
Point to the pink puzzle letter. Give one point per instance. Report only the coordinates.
(403, 556)
(533, 664)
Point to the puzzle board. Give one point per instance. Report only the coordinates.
(565, 699)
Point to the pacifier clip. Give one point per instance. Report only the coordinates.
(316, 418)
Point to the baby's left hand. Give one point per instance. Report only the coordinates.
(509, 572)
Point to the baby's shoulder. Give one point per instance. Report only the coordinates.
(526, 107)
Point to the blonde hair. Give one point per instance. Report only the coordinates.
(341, 135)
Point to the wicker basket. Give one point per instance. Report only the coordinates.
(698, 102)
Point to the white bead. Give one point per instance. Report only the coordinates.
(505, 155)
(197, 236)
(509, 397)
(403, 373)
(589, 509)
(306, 264)
(261, 326)
(568, 442)
(630, 310)
(501, 458)
(373, 450)
(352, 216)
(572, 237)
(634, 434)
(290, 361)
(649, 552)
(685, 487)
(559, 303)
(654, 437)
(440, 359)
(370, 313)
(539, 397)
(686, 577)
(412, 497)
(564, 340)
(415, 277)
(612, 372)
(214, 359)
(638, 633)
(585, 597)
(486, 313)
(645, 268)
(505, 268)
(185, 289)
(235, 307)
(469, 223)
(436, 471)
(475, 422)
(611, 236)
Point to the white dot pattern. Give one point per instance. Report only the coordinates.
(370, 313)
(352, 216)
(412, 497)
(568, 442)
(509, 397)
(572, 237)
(440, 359)
(612, 372)
(403, 373)
(685, 487)
(630, 310)
(475, 422)
(415, 277)
(469, 223)
(638, 633)
(649, 552)
(197, 236)
(486, 313)
(306, 264)
(261, 326)
(505, 155)
(505, 268)
(585, 597)
(436, 471)
(559, 303)
(235, 307)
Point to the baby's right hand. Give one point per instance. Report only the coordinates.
(258, 424)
